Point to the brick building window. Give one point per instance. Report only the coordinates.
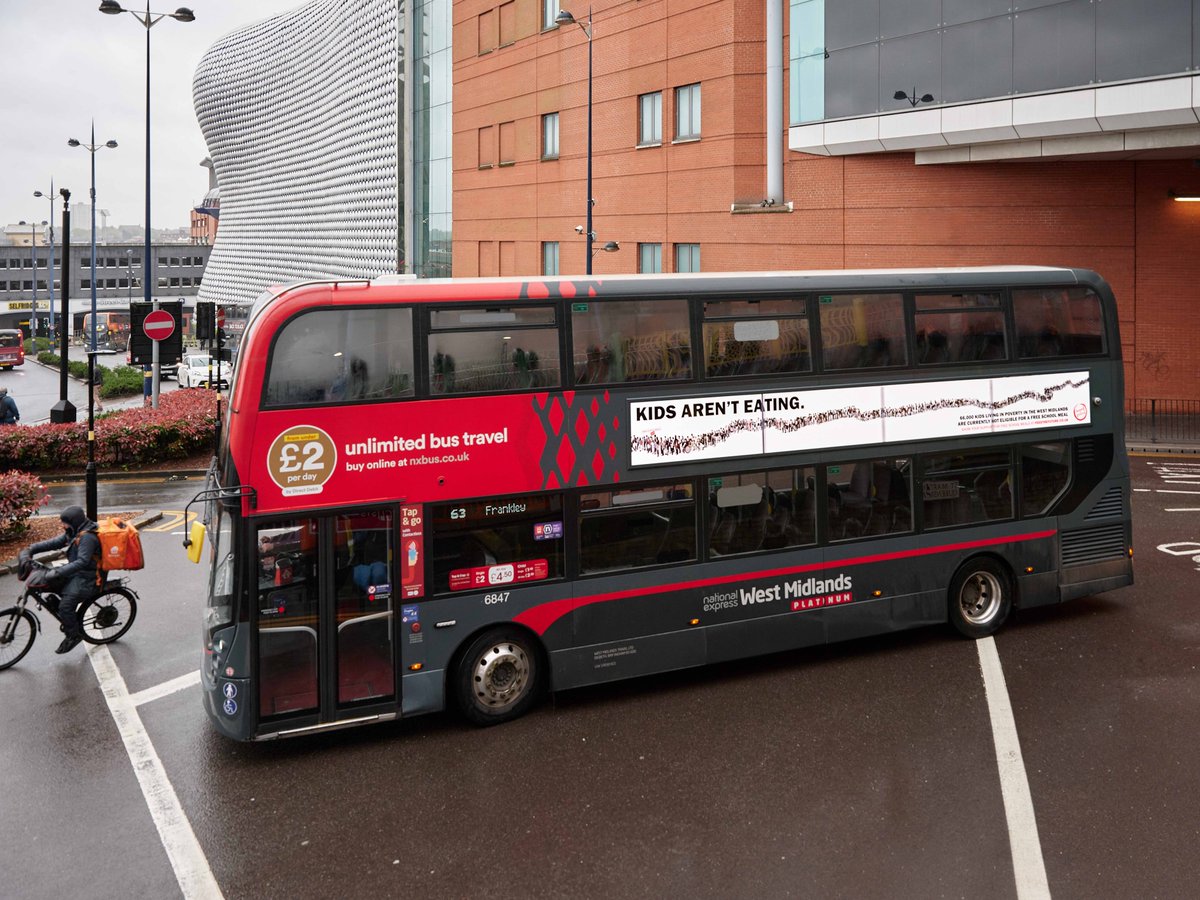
(508, 143)
(550, 258)
(508, 23)
(649, 258)
(489, 31)
(487, 147)
(650, 119)
(687, 257)
(550, 136)
(549, 13)
(687, 112)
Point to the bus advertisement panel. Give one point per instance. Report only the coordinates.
(473, 491)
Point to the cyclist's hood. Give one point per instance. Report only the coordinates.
(74, 518)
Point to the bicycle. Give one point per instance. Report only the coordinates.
(102, 619)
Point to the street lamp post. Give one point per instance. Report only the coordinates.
(64, 409)
(564, 17)
(50, 277)
(33, 227)
(90, 488)
(148, 20)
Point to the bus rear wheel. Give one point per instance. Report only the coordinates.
(980, 597)
(499, 676)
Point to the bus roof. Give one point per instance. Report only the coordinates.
(536, 288)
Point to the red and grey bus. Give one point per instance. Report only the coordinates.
(472, 491)
(12, 348)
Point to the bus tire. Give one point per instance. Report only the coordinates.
(498, 676)
(981, 597)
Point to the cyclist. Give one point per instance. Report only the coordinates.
(79, 580)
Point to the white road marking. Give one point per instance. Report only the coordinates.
(165, 689)
(1182, 509)
(1029, 868)
(191, 867)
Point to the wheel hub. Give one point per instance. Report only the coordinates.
(980, 597)
(501, 675)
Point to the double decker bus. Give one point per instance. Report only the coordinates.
(473, 491)
(12, 348)
(112, 330)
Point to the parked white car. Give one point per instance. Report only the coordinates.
(195, 370)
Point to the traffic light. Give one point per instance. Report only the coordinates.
(205, 322)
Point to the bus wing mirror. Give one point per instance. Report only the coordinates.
(195, 541)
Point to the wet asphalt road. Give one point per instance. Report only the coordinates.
(861, 770)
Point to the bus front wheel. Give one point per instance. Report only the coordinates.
(498, 676)
(980, 597)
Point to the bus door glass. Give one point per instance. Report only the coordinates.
(287, 617)
(365, 654)
(325, 633)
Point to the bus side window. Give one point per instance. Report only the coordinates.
(645, 526)
(1058, 322)
(621, 341)
(480, 545)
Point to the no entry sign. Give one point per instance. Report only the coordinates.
(159, 325)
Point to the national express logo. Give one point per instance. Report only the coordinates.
(581, 431)
(800, 594)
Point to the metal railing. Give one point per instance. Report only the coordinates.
(1149, 421)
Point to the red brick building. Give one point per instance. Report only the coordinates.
(1102, 208)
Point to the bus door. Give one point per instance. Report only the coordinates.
(324, 619)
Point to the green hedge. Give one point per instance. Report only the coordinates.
(119, 382)
(182, 426)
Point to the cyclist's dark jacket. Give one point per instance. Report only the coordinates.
(79, 577)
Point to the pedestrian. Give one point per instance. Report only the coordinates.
(9, 414)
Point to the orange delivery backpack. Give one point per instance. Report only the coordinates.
(120, 545)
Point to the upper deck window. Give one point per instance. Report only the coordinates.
(960, 328)
(1058, 322)
(336, 356)
(626, 340)
(493, 349)
(862, 331)
(755, 337)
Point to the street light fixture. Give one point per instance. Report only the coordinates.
(564, 17)
(50, 278)
(912, 98)
(148, 20)
(90, 489)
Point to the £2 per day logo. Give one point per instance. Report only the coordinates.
(301, 460)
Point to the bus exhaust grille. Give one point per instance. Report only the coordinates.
(1088, 545)
(1108, 505)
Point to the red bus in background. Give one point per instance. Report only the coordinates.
(470, 491)
(12, 347)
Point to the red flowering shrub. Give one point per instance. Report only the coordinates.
(21, 494)
(181, 427)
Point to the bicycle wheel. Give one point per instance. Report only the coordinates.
(108, 616)
(18, 629)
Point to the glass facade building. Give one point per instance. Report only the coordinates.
(853, 57)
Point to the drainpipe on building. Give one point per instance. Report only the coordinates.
(774, 193)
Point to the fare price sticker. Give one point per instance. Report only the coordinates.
(301, 460)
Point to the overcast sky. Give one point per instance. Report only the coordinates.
(68, 64)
